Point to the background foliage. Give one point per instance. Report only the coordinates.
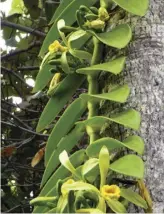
(23, 30)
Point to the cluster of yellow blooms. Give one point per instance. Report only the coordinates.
(56, 47)
(107, 191)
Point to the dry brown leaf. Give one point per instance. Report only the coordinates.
(38, 156)
(8, 151)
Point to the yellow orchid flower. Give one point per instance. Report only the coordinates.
(110, 191)
(56, 46)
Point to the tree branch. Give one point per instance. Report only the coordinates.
(16, 75)
(31, 68)
(27, 130)
(5, 23)
(16, 52)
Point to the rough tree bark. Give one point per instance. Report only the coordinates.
(145, 70)
(145, 75)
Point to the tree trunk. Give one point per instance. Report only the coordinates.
(145, 75)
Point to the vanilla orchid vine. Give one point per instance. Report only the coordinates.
(91, 180)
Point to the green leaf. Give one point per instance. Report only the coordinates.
(79, 185)
(89, 210)
(115, 67)
(118, 94)
(134, 143)
(52, 210)
(61, 128)
(63, 13)
(41, 201)
(80, 54)
(17, 6)
(90, 169)
(50, 187)
(134, 198)
(138, 7)
(129, 118)
(130, 165)
(104, 160)
(43, 77)
(116, 206)
(59, 10)
(61, 96)
(75, 41)
(119, 37)
(67, 143)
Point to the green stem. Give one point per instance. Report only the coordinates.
(93, 87)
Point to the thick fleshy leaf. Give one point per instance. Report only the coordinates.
(104, 160)
(75, 41)
(118, 94)
(115, 67)
(119, 37)
(43, 77)
(67, 143)
(134, 198)
(129, 118)
(79, 185)
(52, 210)
(80, 54)
(116, 206)
(89, 210)
(41, 201)
(64, 13)
(59, 10)
(138, 7)
(61, 96)
(130, 165)
(90, 169)
(134, 143)
(49, 189)
(61, 128)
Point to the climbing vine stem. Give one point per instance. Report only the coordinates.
(93, 87)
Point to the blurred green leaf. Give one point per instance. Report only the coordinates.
(138, 7)
(130, 165)
(43, 77)
(134, 143)
(129, 118)
(115, 67)
(71, 115)
(118, 94)
(17, 6)
(119, 37)
(134, 198)
(66, 143)
(61, 96)
(116, 206)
